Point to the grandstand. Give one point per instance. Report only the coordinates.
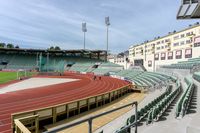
(153, 89)
(189, 64)
(162, 89)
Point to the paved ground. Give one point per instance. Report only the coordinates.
(34, 83)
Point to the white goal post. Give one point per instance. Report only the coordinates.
(21, 73)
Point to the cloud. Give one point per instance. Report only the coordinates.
(40, 24)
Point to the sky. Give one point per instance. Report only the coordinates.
(43, 23)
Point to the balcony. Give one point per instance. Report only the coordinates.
(189, 9)
(168, 49)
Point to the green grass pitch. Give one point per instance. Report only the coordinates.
(9, 76)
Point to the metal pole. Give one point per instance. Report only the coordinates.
(107, 45)
(90, 125)
(136, 106)
(84, 41)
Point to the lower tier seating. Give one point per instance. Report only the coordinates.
(183, 103)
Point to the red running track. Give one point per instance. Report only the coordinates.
(41, 97)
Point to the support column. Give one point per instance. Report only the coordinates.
(54, 114)
(88, 104)
(104, 99)
(37, 124)
(78, 104)
(110, 97)
(67, 110)
(96, 100)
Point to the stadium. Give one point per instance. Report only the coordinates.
(152, 87)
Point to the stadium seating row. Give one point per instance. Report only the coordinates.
(160, 108)
(197, 76)
(183, 103)
(142, 78)
(143, 112)
(189, 64)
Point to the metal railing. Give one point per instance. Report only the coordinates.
(90, 120)
(21, 128)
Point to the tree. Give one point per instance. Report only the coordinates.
(2, 45)
(9, 45)
(17, 46)
(51, 48)
(57, 48)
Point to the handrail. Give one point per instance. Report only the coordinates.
(90, 119)
(21, 128)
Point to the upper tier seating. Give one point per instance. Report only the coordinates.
(189, 64)
(196, 76)
(107, 67)
(141, 78)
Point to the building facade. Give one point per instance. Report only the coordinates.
(169, 49)
(121, 59)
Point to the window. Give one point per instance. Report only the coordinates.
(158, 43)
(149, 63)
(166, 40)
(182, 35)
(197, 41)
(158, 48)
(188, 53)
(156, 56)
(189, 33)
(176, 37)
(162, 56)
(170, 55)
(179, 54)
(188, 41)
(176, 44)
(182, 43)
(162, 47)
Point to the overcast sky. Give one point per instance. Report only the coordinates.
(42, 23)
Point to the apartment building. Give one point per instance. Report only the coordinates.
(120, 59)
(169, 49)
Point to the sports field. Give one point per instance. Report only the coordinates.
(9, 76)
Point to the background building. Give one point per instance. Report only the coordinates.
(169, 49)
(120, 59)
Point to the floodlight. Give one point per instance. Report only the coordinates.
(107, 21)
(84, 28)
(189, 9)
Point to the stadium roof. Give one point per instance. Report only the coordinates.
(189, 9)
(81, 51)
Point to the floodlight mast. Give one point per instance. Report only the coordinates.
(107, 22)
(84, 29)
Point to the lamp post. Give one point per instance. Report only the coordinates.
(107, 22)
(84, 29)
